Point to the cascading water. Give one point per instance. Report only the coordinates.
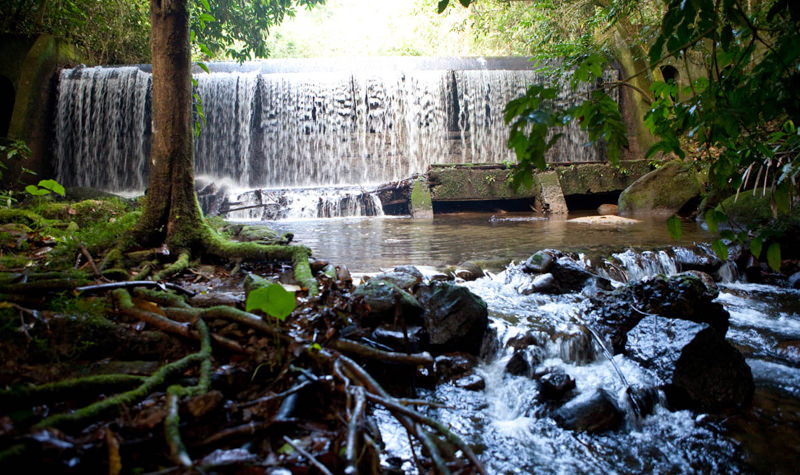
(269, 126)
(516, 430)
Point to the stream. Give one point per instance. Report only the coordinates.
(507, 424)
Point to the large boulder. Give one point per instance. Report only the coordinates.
(456, 319)
(698, 369)
(686, 296)
(662, 191)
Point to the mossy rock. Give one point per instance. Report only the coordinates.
(747, 209)
(257, 234)
(662, 191)
(87, 212)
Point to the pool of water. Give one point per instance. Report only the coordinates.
(367, 244)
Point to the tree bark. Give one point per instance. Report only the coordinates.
(171, 214)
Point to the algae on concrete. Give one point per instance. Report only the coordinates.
(421, 203)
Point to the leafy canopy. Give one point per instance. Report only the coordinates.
(736, 114)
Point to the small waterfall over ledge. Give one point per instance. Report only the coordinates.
(303, 123)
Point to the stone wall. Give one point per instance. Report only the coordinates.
(32, 72)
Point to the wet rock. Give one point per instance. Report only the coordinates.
(642, 399)
(468, 271)
(343, 274)
(555, 386)
(557, 274)
(524, 340)
(383, 297)
(410, 270)
(542, 283)
(699, 370)
(570, 276)
(395, 338)
(686, 296)
(540, 262)
(453, 365)
(518, 365)
(696, 258)
(471, 382)
(597, 412)
(490, 347)
(607, 209)
(455, 318)
(710, 376)
(404, 280)
(794, 280)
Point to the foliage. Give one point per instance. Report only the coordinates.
(45, 187)
(12, 150)
(109, 31)
(271, 299)
(736, 113)
(239, 30)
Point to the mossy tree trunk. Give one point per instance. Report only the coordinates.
(171, 214)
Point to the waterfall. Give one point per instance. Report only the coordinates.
(272, 124)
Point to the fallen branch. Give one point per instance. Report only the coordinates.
(272, 397)
(134, 283)
(89, 258)
(353, 426)
(353, 348)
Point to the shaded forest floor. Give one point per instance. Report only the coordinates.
(175, 376)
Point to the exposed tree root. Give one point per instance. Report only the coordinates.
(115, 403)
(64, 389)
(123, 301)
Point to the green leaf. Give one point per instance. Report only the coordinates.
(203, 66)
(442, 5)
(53, 186)
(206, 5)
(720, 249)
(35, 191)
(774, 256)
(711, 221)
(273, 300)
(674, 227)
(756, 246)
(207, 17)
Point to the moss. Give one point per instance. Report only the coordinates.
(84, 213)
(747, 209)
(22, 216)
(13, 261)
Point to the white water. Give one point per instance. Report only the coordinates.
(511, 427)
(299, 129)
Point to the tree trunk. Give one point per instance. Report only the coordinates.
(171, 214)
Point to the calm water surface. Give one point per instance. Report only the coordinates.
(366, 244)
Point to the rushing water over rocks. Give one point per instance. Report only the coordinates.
(288, 124)
(610, 414)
